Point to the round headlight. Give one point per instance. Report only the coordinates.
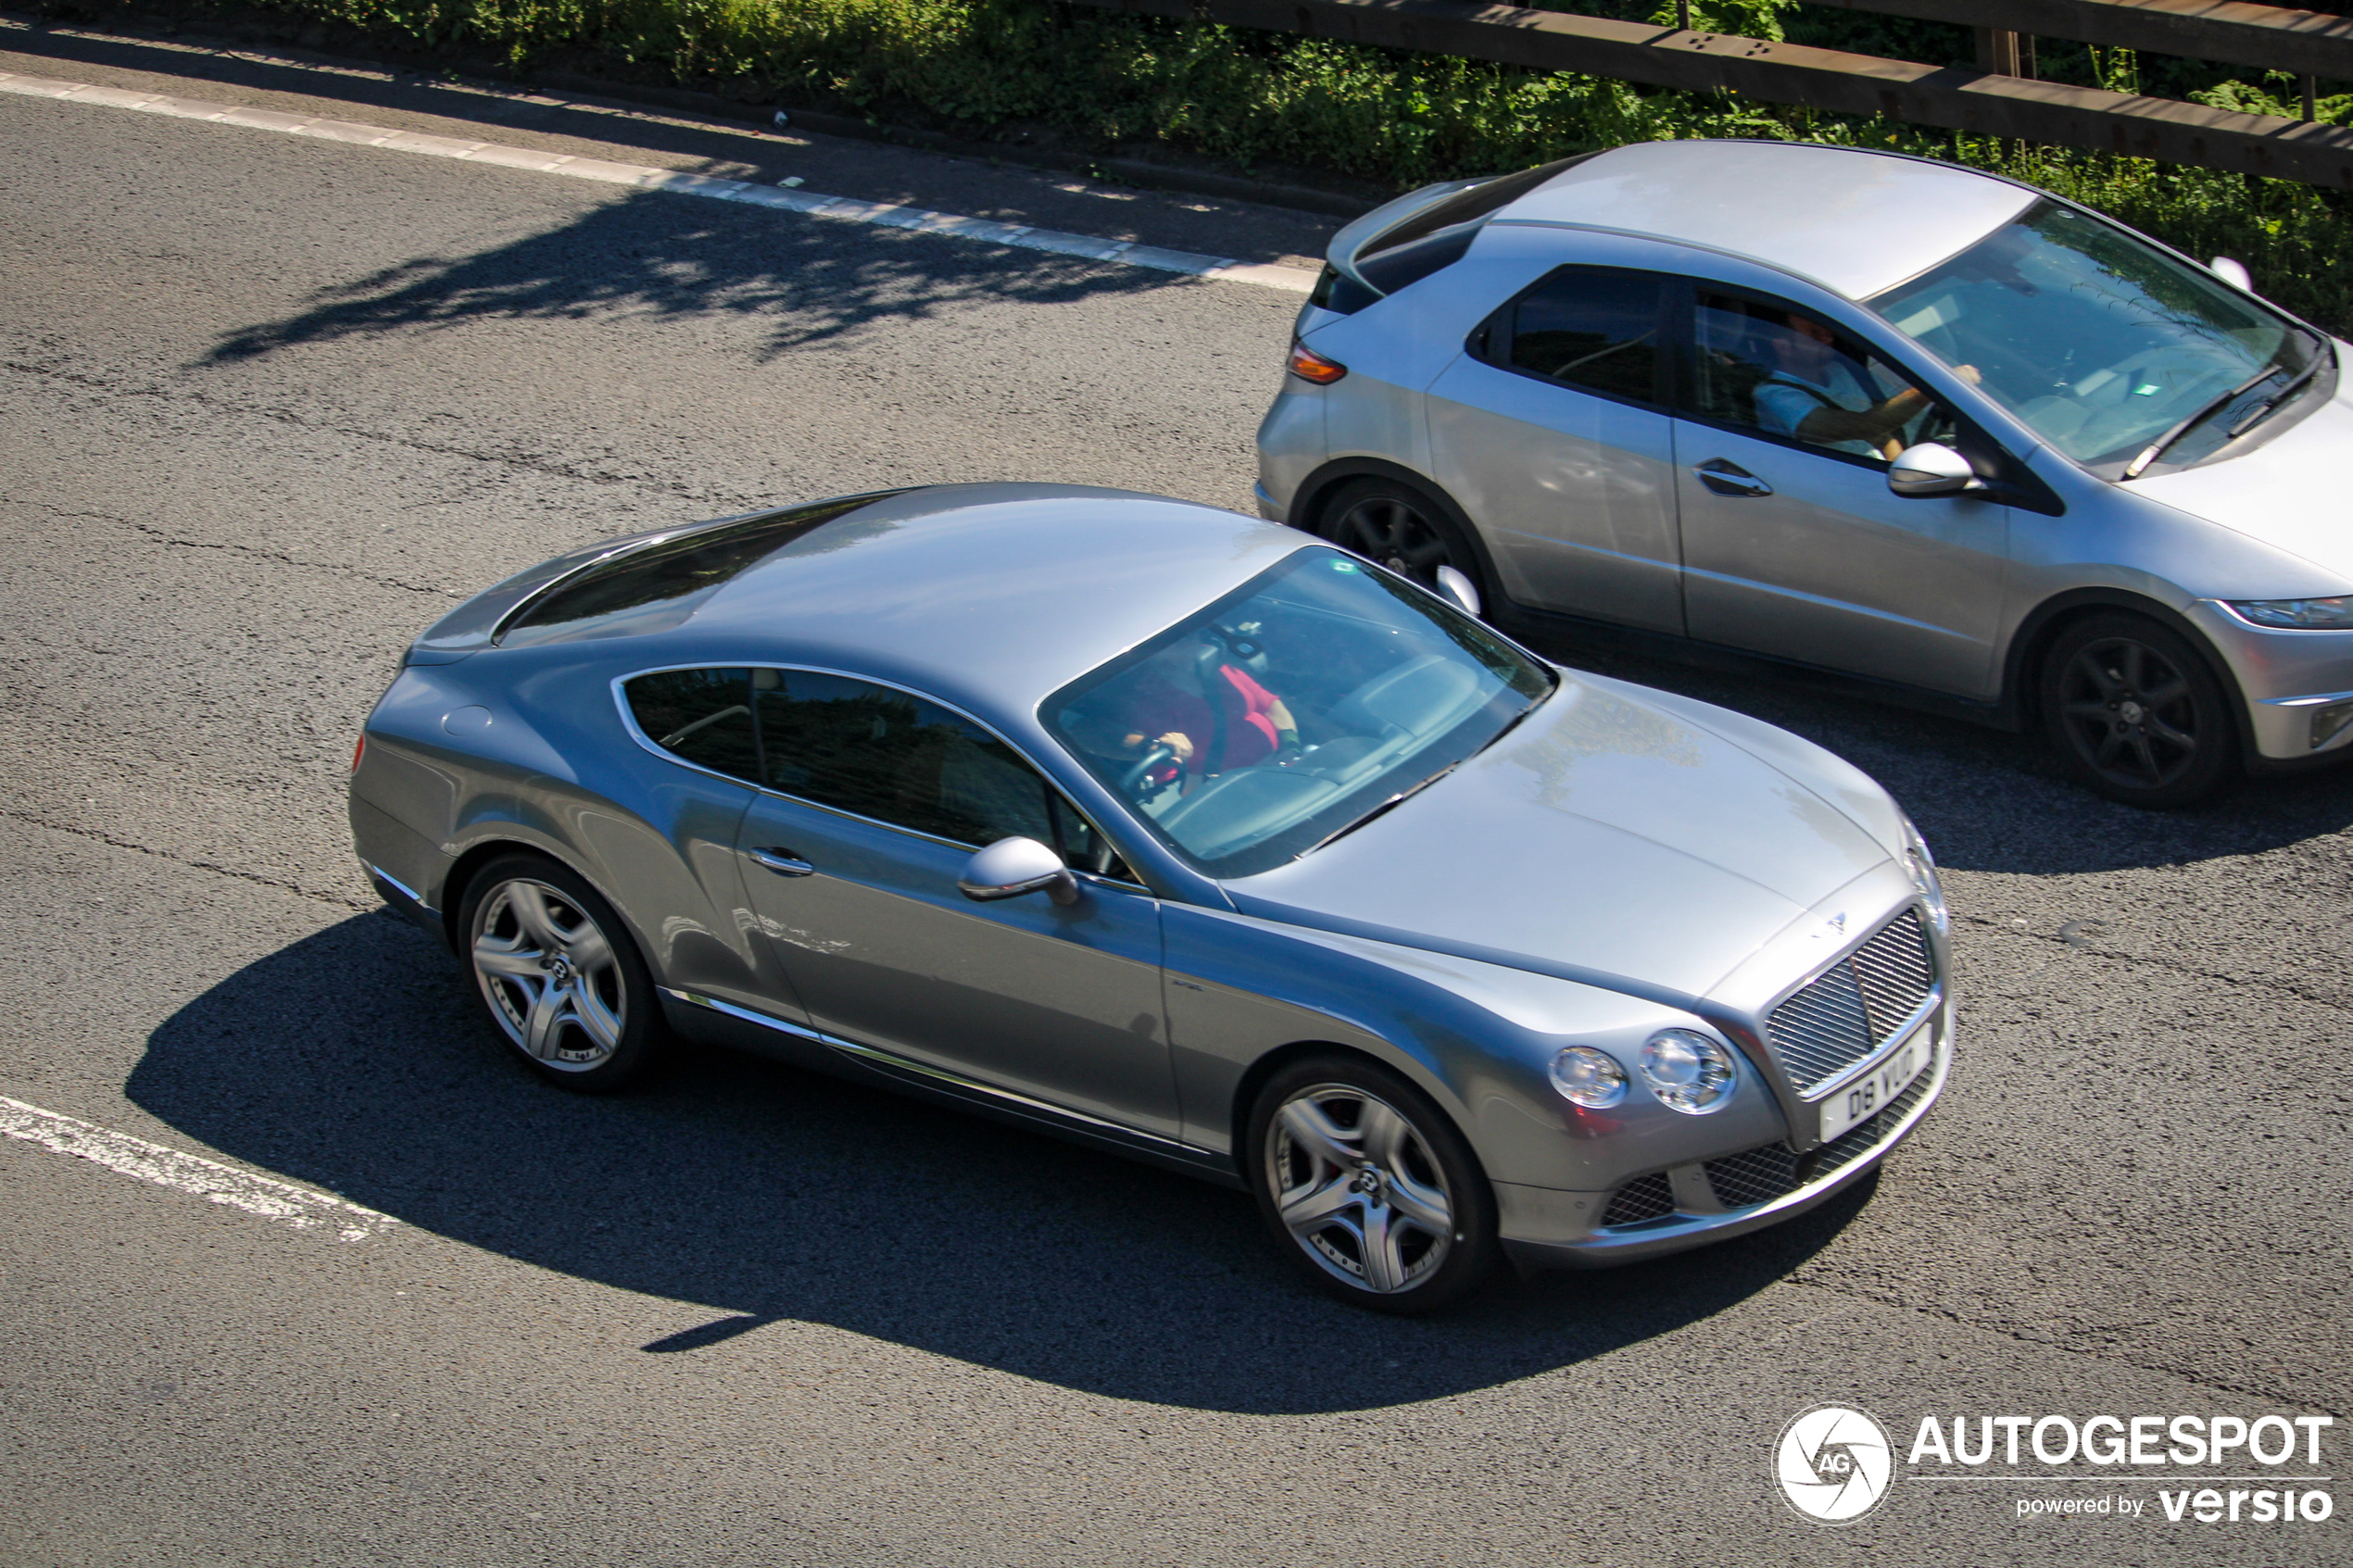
(1688, 1072)
(1588, 1077)
(1922, 867)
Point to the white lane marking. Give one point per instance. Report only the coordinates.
(1295, 280)
(207, 1179)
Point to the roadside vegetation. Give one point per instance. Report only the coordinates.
(1039, 69)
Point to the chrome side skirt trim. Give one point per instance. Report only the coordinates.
(401, 887)
(2304, 701)
(1044, 1109)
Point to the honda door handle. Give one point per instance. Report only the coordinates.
(1730, 479)
(783, 862)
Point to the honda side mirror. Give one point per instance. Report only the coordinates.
(1011, 867)
(1932, 470)
(2231, 273)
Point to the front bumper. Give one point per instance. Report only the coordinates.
(2289, 679)
(1544, 1229)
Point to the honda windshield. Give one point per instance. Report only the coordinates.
(2101, 344)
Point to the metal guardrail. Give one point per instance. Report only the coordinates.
(1980, 103)
(2227, 32)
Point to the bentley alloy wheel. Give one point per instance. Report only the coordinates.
(556, 973)
(1372, 1187)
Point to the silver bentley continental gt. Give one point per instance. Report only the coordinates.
(1179, 834)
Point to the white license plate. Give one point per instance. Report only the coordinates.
(1865, 1095)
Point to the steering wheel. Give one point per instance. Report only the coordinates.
(1159, 754)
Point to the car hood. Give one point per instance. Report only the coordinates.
(1615, 837)
(2282, 494)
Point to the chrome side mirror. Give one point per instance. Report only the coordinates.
(1011, 867)
(1932, 470)
(1456, 587)
(2231, 273)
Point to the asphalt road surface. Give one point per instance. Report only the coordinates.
(267, 406)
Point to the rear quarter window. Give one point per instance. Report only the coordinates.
(656, 587)
(699, 716)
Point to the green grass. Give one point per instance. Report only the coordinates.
(989, 69)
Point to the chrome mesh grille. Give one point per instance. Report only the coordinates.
(1762, 1175)
(1850, 1009)
(1759, 1177)
(1645, 1198)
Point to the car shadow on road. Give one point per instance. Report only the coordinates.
(353, 1061)
(657, 254)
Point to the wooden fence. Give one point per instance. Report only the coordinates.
(1980, 102)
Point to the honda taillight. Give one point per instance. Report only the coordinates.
(1308, 364)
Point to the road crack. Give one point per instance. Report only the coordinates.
(2136, 1363)
(172, 541)
(2170, 966)
(532, 463)
(216, 868)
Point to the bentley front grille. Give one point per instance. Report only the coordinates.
(1849, 1010)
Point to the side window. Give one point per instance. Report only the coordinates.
(1785, 373)
(703, 716)
(895, 758)
(1598, 330)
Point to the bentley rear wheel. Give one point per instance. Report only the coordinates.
(558, 974)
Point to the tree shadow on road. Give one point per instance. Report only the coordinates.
(660, 254)
(352, 1060)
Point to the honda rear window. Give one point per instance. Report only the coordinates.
(1466, 207)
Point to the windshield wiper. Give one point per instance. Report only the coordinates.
(2151, 452)
(2155, 449)
(1405, 795)
(2262, 411)
(1386, 807)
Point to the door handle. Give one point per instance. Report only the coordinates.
(1730, 479)
(783, 862)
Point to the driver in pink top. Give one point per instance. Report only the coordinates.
(1170, 711)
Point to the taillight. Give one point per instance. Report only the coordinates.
(1308, 364)
(357, 752)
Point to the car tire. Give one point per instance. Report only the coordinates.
(1405, 531)
(2136, 713)
(1368, 1186)
(559, 975)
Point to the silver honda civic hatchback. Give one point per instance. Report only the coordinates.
(1182, 835)
(1926, 428)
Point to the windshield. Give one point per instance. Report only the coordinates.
(2099, 343)
(1292, 709)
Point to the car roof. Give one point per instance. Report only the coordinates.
(991, 595)
(1855, 220)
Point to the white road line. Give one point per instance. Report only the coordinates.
(841, 208)
(207, 1179)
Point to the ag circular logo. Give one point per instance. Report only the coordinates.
(1834, 1464)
